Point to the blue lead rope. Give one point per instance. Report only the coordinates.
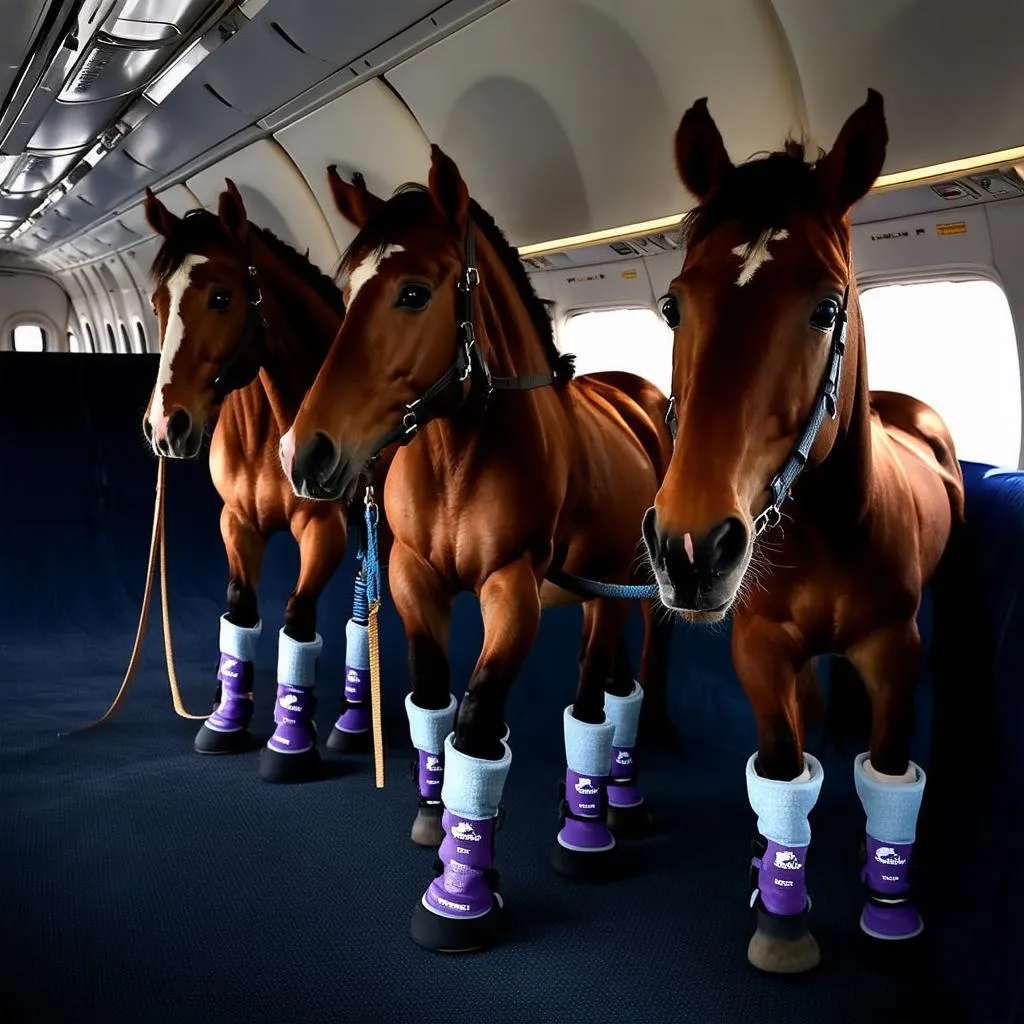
(371, 557)
(593, 588)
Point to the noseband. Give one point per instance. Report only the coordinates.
(827, 402)
(253, 331)
(469, 363)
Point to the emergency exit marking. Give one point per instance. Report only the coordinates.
(959, 228)
(630, 275)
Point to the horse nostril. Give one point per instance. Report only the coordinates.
(317, 461)
(726, 544)
(179, 426)
(652, 538)
(147, 429)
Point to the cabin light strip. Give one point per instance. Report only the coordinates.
(899, 179)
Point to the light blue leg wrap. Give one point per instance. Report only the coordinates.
(296, 662)
(624, 714)
(473, 785)
(239, 641)
(891, 807)
(428, 728)
(588, 747)
(782, 807)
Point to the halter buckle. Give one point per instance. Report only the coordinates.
(769, 518)
(470, 279)
(409, 422)
(831, 405)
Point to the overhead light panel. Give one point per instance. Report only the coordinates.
(176, 72)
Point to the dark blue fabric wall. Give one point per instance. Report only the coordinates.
(76, 494)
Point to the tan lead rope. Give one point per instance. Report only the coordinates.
(376, 714)
(157, 539)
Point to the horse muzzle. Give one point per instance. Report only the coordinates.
(317, 469)
(176, 436)
(698, 574)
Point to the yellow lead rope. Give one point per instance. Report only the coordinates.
(376, 712)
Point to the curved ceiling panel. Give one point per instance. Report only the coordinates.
(367, 130)
(949, 72)
(561, 116)
(276, 197)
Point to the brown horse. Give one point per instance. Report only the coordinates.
(517, 470)
(245, 322)
(770, 378)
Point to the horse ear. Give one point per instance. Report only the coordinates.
(447, 187)
(231, 211)
(159, 218)
(701, 156)
(355, 202)
(855, 160)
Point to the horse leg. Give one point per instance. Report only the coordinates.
(291, 754)
(424, 604)
(783, 784)
(461, 909)
(585, 846)
(226, 731)
(889, 784)
(656, 727)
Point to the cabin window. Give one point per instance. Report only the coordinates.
(635, 339)
(29, 338)
(90, 337)
(141, 332)
(111, 338)
(126, 338)
(950, 344)
(72, 342)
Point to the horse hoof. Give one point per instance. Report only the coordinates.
(287, 768)
(777, 954)
(630, 822)
(210, 741)
(891, 924)
(599, 866)
(427, 829)
(457, 935)
(341, 742)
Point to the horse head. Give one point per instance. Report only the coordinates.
(758, 312)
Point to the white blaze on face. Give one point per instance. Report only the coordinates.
(174, 331)
(754, 254)
(367, 269)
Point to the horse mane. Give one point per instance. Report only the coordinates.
(760, 193)
(412, 203)
(200, 228)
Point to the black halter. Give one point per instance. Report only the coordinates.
(828, 402)
(254, 330)
(469, 364)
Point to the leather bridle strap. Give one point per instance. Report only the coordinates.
(469, 364)
(827, 403)
(254, 330)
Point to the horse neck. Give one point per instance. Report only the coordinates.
(301, 326)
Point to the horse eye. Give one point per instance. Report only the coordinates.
(413, 296)
(669, 306)
(824, 316)
(220, 299)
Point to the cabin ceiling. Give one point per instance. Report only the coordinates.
(561, 113)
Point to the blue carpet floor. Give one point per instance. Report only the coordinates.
(142, 883)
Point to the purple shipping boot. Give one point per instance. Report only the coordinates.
(891, 804)
(428, 728)
(584, 847)
(461, 910)
(351, 732)
(782, 942)
(226, 731)
(290, 754)
(628, 815)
